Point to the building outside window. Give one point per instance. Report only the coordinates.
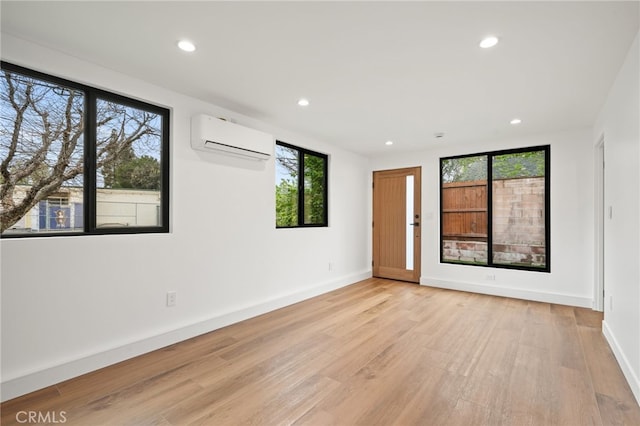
(79, 160)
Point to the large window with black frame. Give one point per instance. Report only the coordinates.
(494, 209)
(301, 187)
(79, 160)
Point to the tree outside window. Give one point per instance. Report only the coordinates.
(301, 187)
(106, 154)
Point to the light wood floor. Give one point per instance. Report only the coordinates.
(376, 352)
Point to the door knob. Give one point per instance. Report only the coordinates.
(415, 224)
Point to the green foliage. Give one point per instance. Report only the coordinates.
(115, 158)
(314, 181)
(313, 178)
(287, 162)
(138, 173)
(507, 166)
(464, 169)
(524, 164)
(286, 203)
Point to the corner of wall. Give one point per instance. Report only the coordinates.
(625, 365)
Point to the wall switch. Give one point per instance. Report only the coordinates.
(330, 266)
(171, 298)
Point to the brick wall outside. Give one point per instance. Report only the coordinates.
(465, 251)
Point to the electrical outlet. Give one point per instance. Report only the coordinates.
(491, 277)
(171, 298)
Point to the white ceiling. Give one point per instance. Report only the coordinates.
(373, 71)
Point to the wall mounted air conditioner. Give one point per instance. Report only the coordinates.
(217, 135)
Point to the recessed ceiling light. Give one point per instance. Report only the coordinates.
(388, 143)
(516, 121)
(488, 42)
(186, 45)
(303, 102)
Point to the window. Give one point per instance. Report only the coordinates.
(78, 160)
(495, 209)
(301, 187)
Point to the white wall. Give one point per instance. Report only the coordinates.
(571, 278)
(619, 124)
(74, 304)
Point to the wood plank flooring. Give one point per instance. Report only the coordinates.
(378, 352)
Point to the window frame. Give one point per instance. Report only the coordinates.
(325, 214)
(547, 208)
(92, 94)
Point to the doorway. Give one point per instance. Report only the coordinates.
(396, 224)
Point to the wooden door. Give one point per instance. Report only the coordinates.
(396, 224)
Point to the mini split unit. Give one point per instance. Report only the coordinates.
(218, 135)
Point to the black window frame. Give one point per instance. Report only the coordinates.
(325, 214)
(92, 95)
(547, 208)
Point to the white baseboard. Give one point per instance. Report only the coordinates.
(560, 299)
(17, 386)
(628, 372)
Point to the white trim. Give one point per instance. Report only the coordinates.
(627, 370)
(598, 264)
(29, 382)
(557, 298)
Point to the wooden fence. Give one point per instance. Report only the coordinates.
(464, 210)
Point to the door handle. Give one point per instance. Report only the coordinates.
(415, 224)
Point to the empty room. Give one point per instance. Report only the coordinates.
(320, 212)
